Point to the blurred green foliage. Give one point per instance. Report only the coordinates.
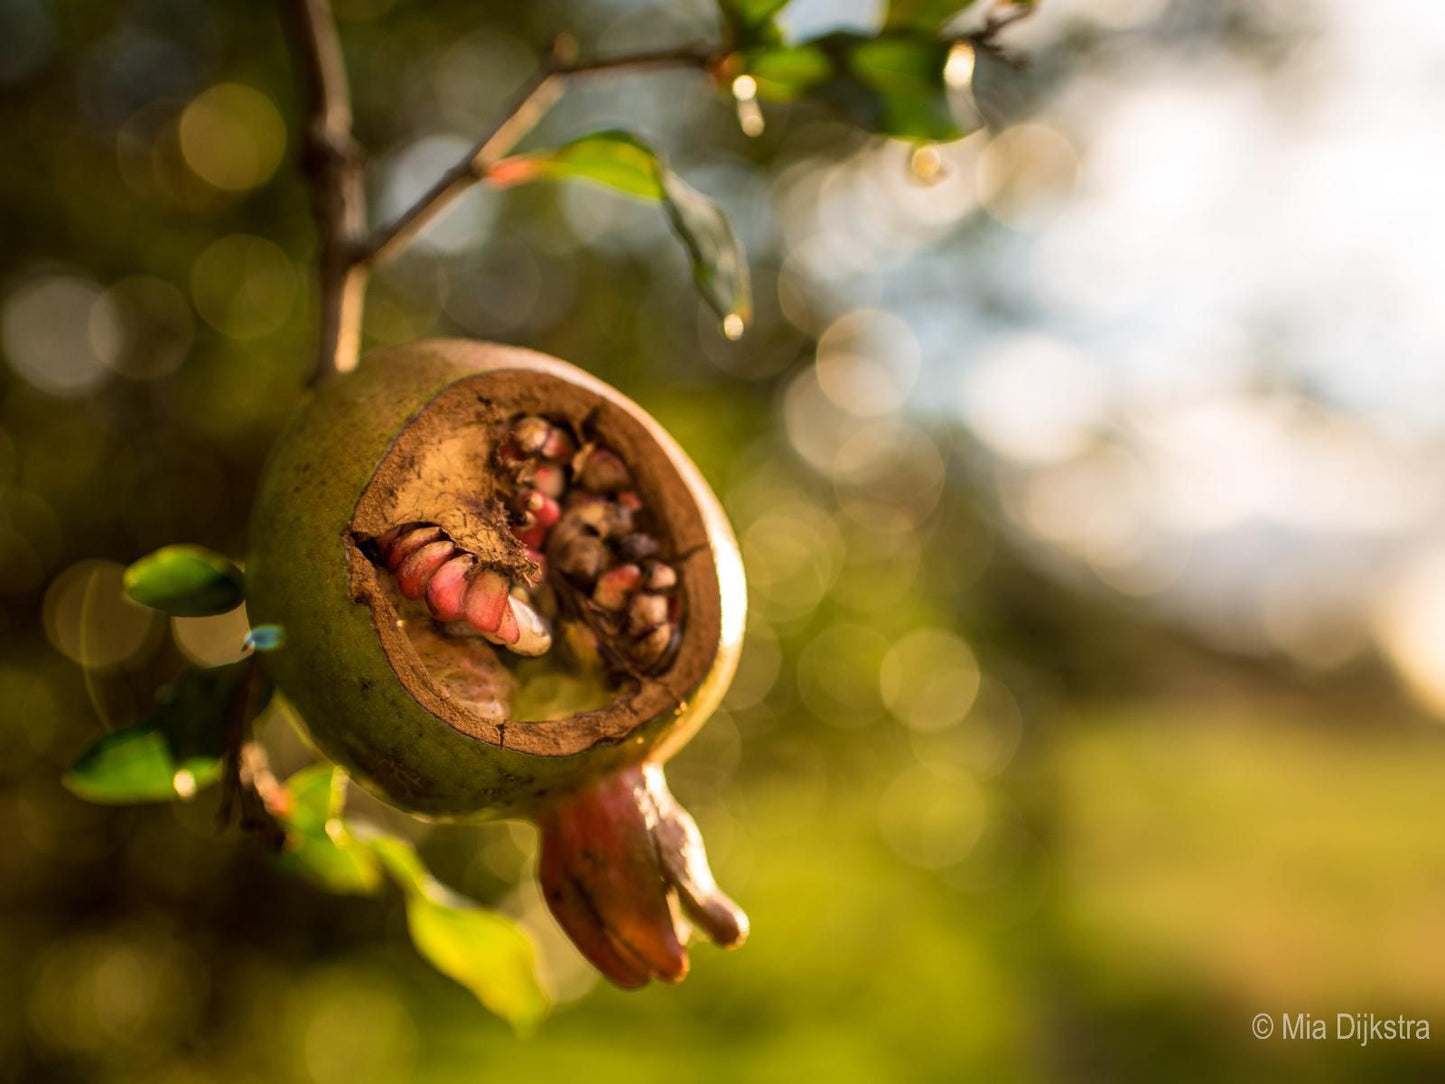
(985, 826)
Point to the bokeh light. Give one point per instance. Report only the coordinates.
(54, 330)
(244, 286)
(232, 137)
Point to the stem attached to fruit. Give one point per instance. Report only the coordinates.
(617, 861)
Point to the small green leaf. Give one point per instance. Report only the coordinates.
(185, 581)
(785, 71)
(892, 84)
(170, 755)
(266, 638)
(719, 267)
(319, 845)
(137, 764)
(751, 22)
(317, 794)
(923, 14)
(486, 952)
(624, 163)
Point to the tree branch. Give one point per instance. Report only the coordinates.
(332, 161)
(526, 110)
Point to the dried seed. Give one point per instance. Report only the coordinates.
(616, 586)
(637, 547)
(630, 500)
(559, 447)
(660, 577)
(576, 552)
(645, 612)
(530, 434)
(655, 646)
(603, 472)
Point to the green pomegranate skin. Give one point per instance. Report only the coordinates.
(332, 668)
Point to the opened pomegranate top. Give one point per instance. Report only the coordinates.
(538, 573)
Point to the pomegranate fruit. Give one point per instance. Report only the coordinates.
(508, 592)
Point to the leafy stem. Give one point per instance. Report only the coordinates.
(333, 165)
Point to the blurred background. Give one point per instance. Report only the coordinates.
(1092, 497)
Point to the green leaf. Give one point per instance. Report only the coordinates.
(486, 952)
(170, 755)
(319, 845)
(624, 163)
(892, 84)
(137, 764)
(923, 14)
(751, 22)
(185, 581)
(785, 71)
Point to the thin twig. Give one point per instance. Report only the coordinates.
(986, 37)
(332, 161)
(526, 110)
(688, 56)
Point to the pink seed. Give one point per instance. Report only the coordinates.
(550, 479)
(630, 500)
(417, 570)
(615, 586)
(558, 446)
(507, 630)
(448, 588)
(408, 542)
(486, 600)
(542, 506)
(530, 532)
